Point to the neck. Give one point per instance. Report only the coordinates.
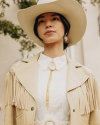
(53, 50)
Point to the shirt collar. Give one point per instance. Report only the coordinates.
(44, 61)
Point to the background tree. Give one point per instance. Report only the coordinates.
(15, 31)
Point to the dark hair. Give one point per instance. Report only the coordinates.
(64, 21)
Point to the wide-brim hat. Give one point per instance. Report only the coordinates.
(70, 9)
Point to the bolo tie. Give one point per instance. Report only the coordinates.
(52, 67)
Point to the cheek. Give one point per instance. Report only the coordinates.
(61, 30)
(40, 31)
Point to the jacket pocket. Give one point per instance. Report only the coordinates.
(19, 117)
(85, 119)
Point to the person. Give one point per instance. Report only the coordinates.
(50, 88)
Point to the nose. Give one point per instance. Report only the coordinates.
(48, 24)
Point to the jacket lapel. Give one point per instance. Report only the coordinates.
(76, 76)
(27, 73)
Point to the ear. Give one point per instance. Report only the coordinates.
(66, 34)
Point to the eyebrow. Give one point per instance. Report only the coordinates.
(55, 14)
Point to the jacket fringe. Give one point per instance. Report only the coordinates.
(89, 96)
(15, 93)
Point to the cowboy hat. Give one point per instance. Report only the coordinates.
(70, 9)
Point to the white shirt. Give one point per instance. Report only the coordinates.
(58, 104)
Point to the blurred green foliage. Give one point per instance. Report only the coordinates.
(93, 2)
(8, 27)
(14, 31)
(24, 3)
(3, 5)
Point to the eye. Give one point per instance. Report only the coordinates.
(55, 18)
(41, 21)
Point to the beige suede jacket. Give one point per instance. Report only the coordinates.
(21, 93)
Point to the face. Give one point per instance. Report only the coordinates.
(50, 28)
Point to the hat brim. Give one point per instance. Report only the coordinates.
(70, 9)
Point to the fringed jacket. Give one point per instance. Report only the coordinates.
(21, 93)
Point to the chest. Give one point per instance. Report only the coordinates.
(58, 81)
(58, 104)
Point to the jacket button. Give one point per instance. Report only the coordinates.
(73, 110)
(32, 108)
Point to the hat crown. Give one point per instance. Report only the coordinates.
(45, 1)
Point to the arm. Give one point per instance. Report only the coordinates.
(10, 109)
(95, 114)
(10, 115)
(95, 117)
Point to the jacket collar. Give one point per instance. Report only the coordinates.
(76, 75)
(27, 73)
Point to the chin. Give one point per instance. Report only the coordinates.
(48, 41)
(53, 42)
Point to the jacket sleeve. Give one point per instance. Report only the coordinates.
(10, 109)
(16, 97)
(95, 114)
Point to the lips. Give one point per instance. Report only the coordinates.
(49, 32)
